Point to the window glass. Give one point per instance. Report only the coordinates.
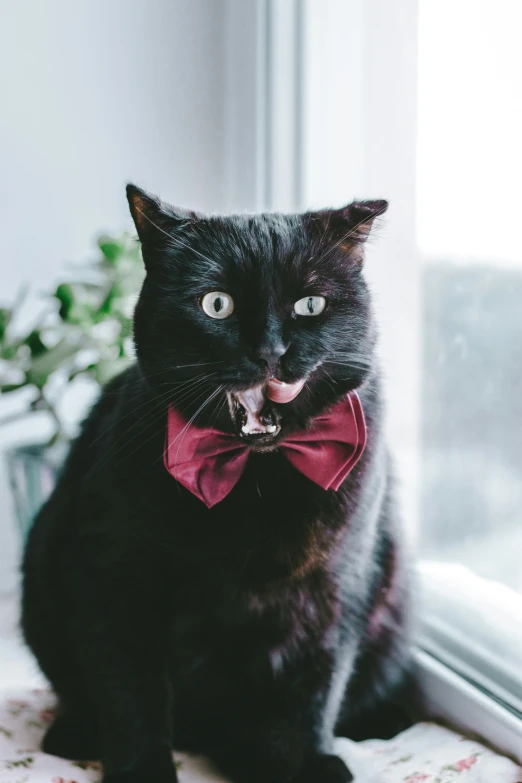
(469, 170)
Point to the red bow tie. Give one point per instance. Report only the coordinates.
(209, 463)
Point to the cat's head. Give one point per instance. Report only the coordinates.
(254, 323)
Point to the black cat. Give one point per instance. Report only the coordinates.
(257, 627)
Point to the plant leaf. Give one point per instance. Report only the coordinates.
(93, 321)
(44, 365)
(8, 351)
(111, 249)
(5, 317)
(11, 387)
(107, 369)
(35, 343)
(65, 295)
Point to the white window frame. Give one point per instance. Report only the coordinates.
(273, 51)
(449, 697)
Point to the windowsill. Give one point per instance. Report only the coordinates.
(452, 699)
(470, 652)
(474, 626)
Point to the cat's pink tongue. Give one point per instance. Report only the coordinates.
(281, 392)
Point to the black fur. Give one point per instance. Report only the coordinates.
(255, 630)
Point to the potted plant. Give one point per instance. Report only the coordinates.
(86, 330)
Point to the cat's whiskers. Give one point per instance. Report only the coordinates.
(331, 385)
(193, 379)
(155, 401)
(187, 425)
(217, 411)
(353, 364)
(356, 368)
(349, 358)
(186, 395)
(156, 413)
(155, 421)
(159, 416)
(131, 384)
(197, 364)
(349, 355)
(165, 370)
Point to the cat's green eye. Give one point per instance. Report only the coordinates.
(217, 304)
(310, 305)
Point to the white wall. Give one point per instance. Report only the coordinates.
(94, 93)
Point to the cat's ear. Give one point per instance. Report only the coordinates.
(348, 228)
(155, 221)
(359, 216)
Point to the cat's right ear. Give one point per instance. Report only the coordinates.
(156, 222)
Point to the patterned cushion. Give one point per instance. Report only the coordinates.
(426, 753)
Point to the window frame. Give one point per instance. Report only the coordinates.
(451, 698)
(445, 629)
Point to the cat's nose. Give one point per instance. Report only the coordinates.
(271, 355)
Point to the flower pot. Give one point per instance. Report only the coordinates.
(32, 471)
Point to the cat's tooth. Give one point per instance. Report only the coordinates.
(271, 428)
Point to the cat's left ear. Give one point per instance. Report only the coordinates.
(348, 228)
(359, 218)
(155, 221)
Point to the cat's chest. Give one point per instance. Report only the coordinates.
(255, 631)
(257, 589)
(275, 525)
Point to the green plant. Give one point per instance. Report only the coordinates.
(85, 331)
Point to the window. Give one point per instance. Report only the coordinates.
(469, 166)
(423, 105)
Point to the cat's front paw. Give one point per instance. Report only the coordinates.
(154, 764)
(72, 737)
(325, 769)
(165, 776)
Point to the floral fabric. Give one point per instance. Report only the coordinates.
(426, 753)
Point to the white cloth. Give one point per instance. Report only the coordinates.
(426, 753)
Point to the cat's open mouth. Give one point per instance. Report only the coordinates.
(253, 412)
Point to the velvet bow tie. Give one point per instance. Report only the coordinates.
(209, 463)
